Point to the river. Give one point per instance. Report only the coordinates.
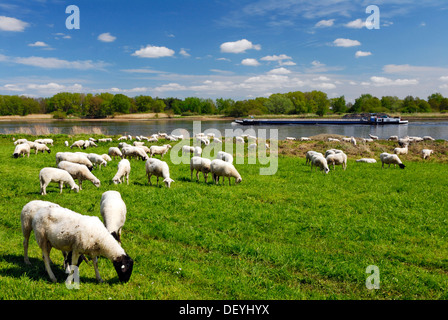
(437, 129)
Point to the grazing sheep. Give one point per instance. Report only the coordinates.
(158, 168)
(337, 159)
(66, 230)
(113, 211)
(41, 147)
(44, 141)
(400, 151)
(310, 154)
(428, 138)
(124, 169)
(105, 140)
(159, 150)
(106, 157)
(26, 219)
(75, 158)
(66, 143)
(367, 140)
(393, 138)
(78, 143)
(239, 140)
(134, 152)
(115, 152)
(122, 145)
(187, 149)
(321, 162)
(333, 140)
(332, 151)
(426, 153)
(80, 172)
(387, 158)
(138, 143)
(203, 141)
(290, 139)
(252, 147)
(305, 139)
(200, 165)
(97, 160)
(366, 160)
(373, 137)
(47, 175)
(22, 149)
(20, 141)
(225, 156)
(122, 138)
(353, 141)
(221, 168)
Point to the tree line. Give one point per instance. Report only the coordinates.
(101, 105)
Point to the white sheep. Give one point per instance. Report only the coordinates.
(97, 160)
(105, 140)
(387, 158)
(290, 139)
(78, 143)
(187, 149)
(75, 158)
(80, 172)
(124, 169)
(200, 165)
(20, 141)
(305, 139)
(428, 138)
(337, 159)
(41, 147)
(239, 140)
(221, 168)
(26, 219)
(66, 230)
(225, 156)
(44, 141)
(113, 210)
(106, 157)
(134, 152)
(333, 140)
(138, 143)
(321, 162)
(159, 150)
(426, 153)
(115, 152)
(366, 160)
(66, 143)
(400, 151)
(22, 149)
(158, 168)
(373, 137)
(47, 175)
(353, 141)
(252, 147)
(393, 138)
(310, 154)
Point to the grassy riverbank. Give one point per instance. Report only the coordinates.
(297, 234)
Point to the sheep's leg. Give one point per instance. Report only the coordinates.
(191, 175)
(26, 235)
(97, 273)
(157, 181)
(197, 175)
(46, 248)
(80, 183)
(205, 176)
(149, 179)
(43, 188)
(61, 185)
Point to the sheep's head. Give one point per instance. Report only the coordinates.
(97, 183)
(402, 166)
(326, 170)
(168, 182)
(76, 189)
(238, 180)
(123, 265)
(15, 155)
(49, 151)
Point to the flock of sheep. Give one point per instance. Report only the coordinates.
(77, 235)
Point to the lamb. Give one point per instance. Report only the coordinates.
(366, 160)
(403, 150)
(159, 150)
(200, 165)
(124, 169)
(321, 162)
(221, 168)
(387, 158)
(80, 172)
(97, 160)
(113, 211)
(115, 152)
(47, 175)
(75, 158)
(337, 159)
(41, 147)
(426, 153)
(22, 149)
(66, 230)
(134, 152)
(26, 219)
(78, 143)
(158, 168)
(225, 156)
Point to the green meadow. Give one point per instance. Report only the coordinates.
(297, 234)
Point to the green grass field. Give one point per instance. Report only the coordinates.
(293, 235)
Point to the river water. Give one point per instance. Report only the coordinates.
(437, 129)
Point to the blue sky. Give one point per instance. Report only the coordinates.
(230, 49)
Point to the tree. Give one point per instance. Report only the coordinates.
(279, 104)
(120, 103)
(224, 105)
(298, 100)
(338, 105)
(144, 103)
(391, 103)
(434, 101)
(409, 105)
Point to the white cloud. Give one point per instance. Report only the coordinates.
(356, 24)
(153, 52)
(250, 62)
(383, 81)
(170, 87)
(325, 23)
(362, 54)
(286, 63)
(276, 58)
(279, 71)
(239, 46)
(106, 37)
(38, 44)
(443, 78)
(341, 42)
(143, 70)
(55, 63)
(410, 69)
(12, 24)
(184, 52)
